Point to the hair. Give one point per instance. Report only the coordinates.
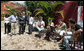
(40, 17)
(7, 15)
(72, 21)
(60, 19)
(50, 19)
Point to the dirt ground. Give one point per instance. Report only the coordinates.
(25, 42)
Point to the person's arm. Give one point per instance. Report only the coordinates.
(53, 24)
(26, 20)
(33, 20)
(78, 31)
(62, 26)
(43, 24)
(10, 17)
(19, 21)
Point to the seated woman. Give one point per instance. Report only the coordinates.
(61, 28)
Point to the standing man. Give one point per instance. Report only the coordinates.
(24, 17)
(13, 21)
(21, 24)
(30, 21)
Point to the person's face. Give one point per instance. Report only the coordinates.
(50, 21)
(72, 25)
(40, 19)
(14, 13)
(28, 14)
(23, 13)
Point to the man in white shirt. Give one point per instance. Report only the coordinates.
(13, 21)
(40, 27)
(40, 24)
(31, 21)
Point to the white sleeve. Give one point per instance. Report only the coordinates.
(16, 18)
(43, 23)
(52, 24)
(33, 20)
(10, 17)
(4, 19)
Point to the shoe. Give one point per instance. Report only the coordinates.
(4, 33)
(61, 45)
(29, 33)
(37, 35)
(48, 40)
(9, 33)
(63, 48)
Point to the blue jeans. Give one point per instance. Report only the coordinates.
(66, 41)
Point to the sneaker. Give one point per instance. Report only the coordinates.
(9, 33)
(4, 33)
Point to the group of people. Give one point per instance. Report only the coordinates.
(11, 22)
(52, 30)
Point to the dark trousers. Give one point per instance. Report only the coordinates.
(48, 34)
(21, 29)
(7, 27)
(30, 28)
(24, 28)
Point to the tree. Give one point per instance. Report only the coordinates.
(3, 1)
(47, 9)
(80, 3)
(42, 8)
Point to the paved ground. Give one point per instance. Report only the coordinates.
(25, 42)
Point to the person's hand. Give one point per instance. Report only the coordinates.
(39, 25)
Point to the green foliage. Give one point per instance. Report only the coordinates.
(50, 18)
(1, 19)
(80, 3)
(3, 1)
(42, 8)
(19, 4)
(31, 6)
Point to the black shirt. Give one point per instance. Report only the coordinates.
(21, 20)
(77, 27)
